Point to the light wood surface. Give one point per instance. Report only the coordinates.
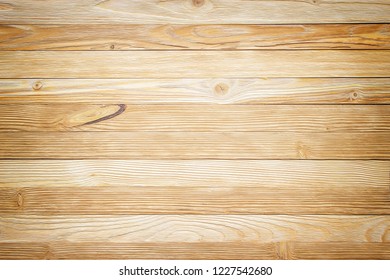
(314, 174)
(193, 37)
(194, 64)
(204, 228)
(299, 200)
(197, 91)
(194, 145)
(195, 129)
(194, 11)
(122, 117)
(200, 250)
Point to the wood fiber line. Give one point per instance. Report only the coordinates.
(194, 145)
(206, 250)
(193, 37)
(218, 199)
(200, 91)
(194, 11)
(313, 174)
(194, 64)
(195, 229)
(209, 118)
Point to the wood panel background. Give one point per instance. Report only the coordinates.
(195, 129)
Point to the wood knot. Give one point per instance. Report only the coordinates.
(302, 151)
(37, 85)
(112, 47)
(198, 3)
(19, 199)
(221, 89)
(354, 95)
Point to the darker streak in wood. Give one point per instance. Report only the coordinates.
(122, 108)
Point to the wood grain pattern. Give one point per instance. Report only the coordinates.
(194, 64)
(196, 228)
(122, 117)
(313, 174)
(260, 199)
(340, 251)
(197, 91)
(193, 37)
(194, 145)
(207, 250)
(195, 129)
(194, 11)
(144, 250)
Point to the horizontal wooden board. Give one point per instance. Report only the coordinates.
(194, 64)
(209, 118)
(206, 250)
(312, 174)
(219, 91)
(144, 250)
(194, 145)
(193, 37)
(195, 228)
(338, 251)
(197, 91)
(194, 11)
(218, 199)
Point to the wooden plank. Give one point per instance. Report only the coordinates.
(340, 251)
(193, 37)
(219, 199)
(195, 11)
(207, 250)
(195, 228)
(194, 145)
(144, 250)
(198, 91)
(192, 173)
(194, 64)
(210, 118)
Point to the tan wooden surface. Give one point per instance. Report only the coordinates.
(194, 145)
(122, 117)
(199, 129)
(314, 174)
(205, 228)
(199, 250)
(194, 37)
(216, 199)
(194, 64)
(194, 11)
(197, 91)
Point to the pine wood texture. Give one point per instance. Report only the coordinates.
(194, 64)
(201, 250)
(122, 117)
(194, 37)
(194, 145)
(311, 174)
(206, 228)
(194, 11)
(196, 129)
(195, 200)
(197, 91)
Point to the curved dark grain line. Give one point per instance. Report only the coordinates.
(122, 108)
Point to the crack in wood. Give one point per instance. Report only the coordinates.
(122, 108)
